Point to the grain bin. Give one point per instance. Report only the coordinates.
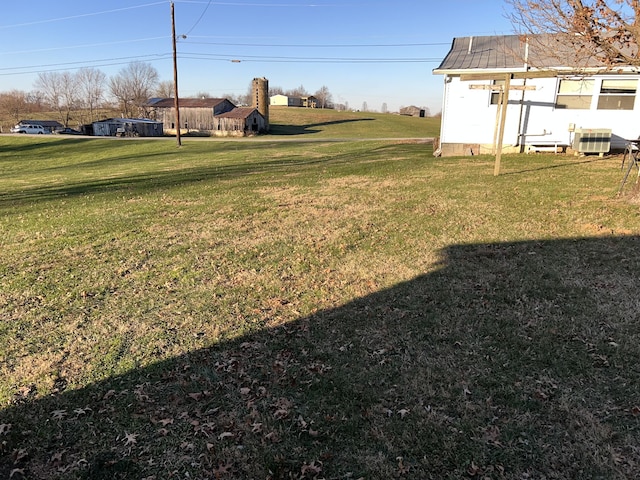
(261, 98)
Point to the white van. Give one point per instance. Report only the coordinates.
(26, 128)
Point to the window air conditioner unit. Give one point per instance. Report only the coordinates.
(592, 140)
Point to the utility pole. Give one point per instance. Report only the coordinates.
(175, 75)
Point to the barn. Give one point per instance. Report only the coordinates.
(195, 113)
(239, 122)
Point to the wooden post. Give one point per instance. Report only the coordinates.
(175, 75)
(503, 117)
(496, 127)
(501, 113)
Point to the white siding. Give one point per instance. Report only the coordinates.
(469, 118)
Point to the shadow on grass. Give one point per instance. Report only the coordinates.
(277, 129)
(168, 175)
(514, 360)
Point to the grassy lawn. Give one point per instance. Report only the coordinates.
(309, 310)
(326, 123)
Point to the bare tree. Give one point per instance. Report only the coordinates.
(60, 90)
(384, 108)
(275, 90)
(591, 33)
(297, 92)
(324, 97)
(133, 86)
(202, 94)
(165, 89)
(14, 104)
(91, 84)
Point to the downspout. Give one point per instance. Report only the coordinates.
(524, 83)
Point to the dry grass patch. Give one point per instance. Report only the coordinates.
(371, 312)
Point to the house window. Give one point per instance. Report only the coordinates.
(495, 95)
(617, 94)
(575, 94)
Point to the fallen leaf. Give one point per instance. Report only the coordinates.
(59, 414)
(5, 428)
(256, 427)
(19, 455)
(166, 421)
(403, 412)
(224, 435)
(474, 470)
(130, 438)
(16, 471)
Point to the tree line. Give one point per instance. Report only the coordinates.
(82, 96)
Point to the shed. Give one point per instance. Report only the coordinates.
(127, 127)
(239, 122)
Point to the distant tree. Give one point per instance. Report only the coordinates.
(202, 94)
(324, 97)
(14, 104)
(133, 86)
(91, 85)
(384, 108)
(233, 98)
(275, 91)
(164, 89)
(60, 90)
(297, 92)
(365, 107)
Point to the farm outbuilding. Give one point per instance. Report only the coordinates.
(127, 127)
(285, 101)
(240, 121)
(308, 101)
(195, 113)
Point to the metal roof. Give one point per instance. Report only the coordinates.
(186, 102)
(516, 53)
(238, 112)
(491, 52)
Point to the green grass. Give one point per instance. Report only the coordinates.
(327, 123)
(322, 309)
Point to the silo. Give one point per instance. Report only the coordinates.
(261, 98)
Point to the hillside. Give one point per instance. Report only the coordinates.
(327, 123)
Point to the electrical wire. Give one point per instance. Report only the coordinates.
(82, 15)
(373, 45)
(199, 18)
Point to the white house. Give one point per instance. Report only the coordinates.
(547, 104)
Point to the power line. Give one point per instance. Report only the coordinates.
(105, 62)
(275, 59)
(199, 18)
(82, 15)
(86, 45)
(354, 45)
(283, 5)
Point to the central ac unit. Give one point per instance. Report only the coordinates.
(592, 140)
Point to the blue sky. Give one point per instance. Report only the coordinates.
(373, 51)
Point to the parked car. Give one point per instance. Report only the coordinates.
(26, 128)
(67, 131)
